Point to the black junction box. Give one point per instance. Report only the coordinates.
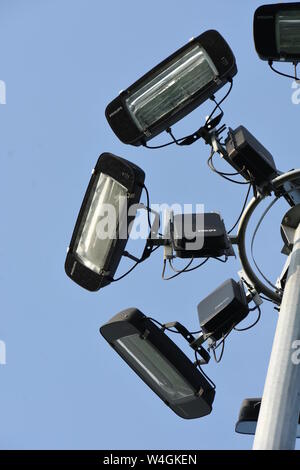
(222, 309)
(247, 155)
(191, 238)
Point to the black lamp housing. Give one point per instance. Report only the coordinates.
(112, 178)
(224, 308)
(248, 417)
(159, 362)
(249, 157)
(135, 122)
(213, 235)
(277, 32)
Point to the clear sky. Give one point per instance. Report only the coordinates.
(62, 62)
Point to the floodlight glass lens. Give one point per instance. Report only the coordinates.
(154, 367)
(249, 427)
(172, 87)
(246, 427)
(99, 226)
(288, 32)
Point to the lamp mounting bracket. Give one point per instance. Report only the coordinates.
(204, 132)
(195, 344)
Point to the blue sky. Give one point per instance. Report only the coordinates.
(62, 62)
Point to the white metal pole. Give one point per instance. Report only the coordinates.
(279, 412)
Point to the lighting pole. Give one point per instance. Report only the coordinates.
(279, 413)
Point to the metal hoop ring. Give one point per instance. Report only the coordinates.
(241, 236)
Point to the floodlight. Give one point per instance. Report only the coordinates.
(200, 236)
(159, 362)
(224, 308)
(248, 417)
(277, 32)
(101, 231)
(249, 157)
(172, 89)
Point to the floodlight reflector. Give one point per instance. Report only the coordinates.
(149, 362)
(89, 247)
(159, 362)
(277, 32)
(178, 83)
(101, 231)
(288, 32)
(172, 89)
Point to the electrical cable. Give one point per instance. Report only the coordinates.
(220, 102)
(265, 298)
(223, 339)
(134, 266)
(175, 275)
(284, 74)
(197, 267)
(216, 346)
(219, 359)
(236, 173)
(174, 269)
(253, 240)
(220, 173)
(149, 211)
(148, 205)
(169, 131)
(140, 261)
(185, 270)
(128, 272)
(158, 146)
(153, 248)
(242, 211)
(221, 343)
(253, 324)
(172, 142)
